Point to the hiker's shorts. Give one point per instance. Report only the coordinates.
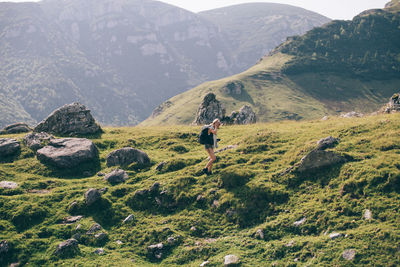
(208, 146)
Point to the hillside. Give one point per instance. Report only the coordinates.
(305, 218)
(120, 58)
(254, 29)
(340, 67)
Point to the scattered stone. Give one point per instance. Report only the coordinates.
(352, 114)
(368, 215)
(209, 110)
(318, 159)
(327, 142)
(260, 234)
(71, 119)
(68, 152)
(335, 235)
(9, 147)
(129, 219)
(349, 254)
(16, 128)
(94, 228)
(126, 156)
(67, 248)
(8, 185)
(155, 251)
(99, 251)
(36, 141)
(172, 241)
(296, 260)
(193, 229)
(200, 198)
(101, 174)
(117, 176)
(72, 219)
(300, 222)
(325, 118)
(231, 260)
(160, 166)
(91, 196)
(204, 263)
(290, 244)
(100, 237)
(119, 242)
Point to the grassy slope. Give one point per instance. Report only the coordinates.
(332, 200)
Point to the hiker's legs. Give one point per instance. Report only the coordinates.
(210, 152)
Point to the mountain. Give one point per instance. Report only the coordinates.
(254, 29)
(248, 206)
(341, 66)
(120, 58)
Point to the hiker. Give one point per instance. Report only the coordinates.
(210, 142)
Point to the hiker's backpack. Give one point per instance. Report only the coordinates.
(204, 137)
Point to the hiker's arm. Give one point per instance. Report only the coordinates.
(212, 131)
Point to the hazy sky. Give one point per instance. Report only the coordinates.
(334, 9)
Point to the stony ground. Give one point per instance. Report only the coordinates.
(260, 205)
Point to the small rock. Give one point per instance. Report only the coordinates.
(335, 235)
(215, 204)
(296, 260)
(352, 114)
(78, 227)
(15, 264)
(327, 142)
(94, 228)
(160, 166)
(119, 242)
(325, 118)
(101, 174)
(368, 215)
(72, 219)
(16, 128)
(128, 219)
(126, 156)
(200, 198)
(204, 263)
(67, 248)
(193, 229)
(73, 207)
(300, 222)
(8, 147)
(231, 260)
(8, 185)
(91, 196)
(171, 240)
(260, 234)
(155, 251)
(349, 254)
(117, 176)
(101, 236)
(290, 244)
(99, 251)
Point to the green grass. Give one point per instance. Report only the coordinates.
(245, 193)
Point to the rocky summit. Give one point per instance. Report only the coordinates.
(69, 120)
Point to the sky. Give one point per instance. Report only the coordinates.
(334, 9)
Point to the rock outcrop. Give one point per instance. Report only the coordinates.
(117, 176)
(16, 128)
(68, 152)
(36, 141)
(72, 119)
(126, 156)
(67, 248)
(393, 105)
(318, 159)
(9, 147)
(8, 185)
(246, 115)
(209, 110)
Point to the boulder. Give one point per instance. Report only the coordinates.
(8, 185)
(349, 254)
(9, 147)
(368, 215)
(99, 251)
(126, 156)
(328, 142)
(260, 234)
(71, 119)
(393, 105)
(318, 159)
(36, 141)
(94, 228)
(209, 110)
(155, 251)
(91, 196)
(117, 176)
(67, 248)
(16, 128)
(246, 115)
(300, 222)
(160, 166)
(68, 152)
(72, 219)
(231, 260)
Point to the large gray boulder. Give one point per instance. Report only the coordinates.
(318, 159)
(68, 248)
(36, 141)
(246, 115)
(91, 196)
(9, 147)
(126, 156)
(68, 152)
(231, 260)
(117, 176)
(16, 128)
(209, 110)
(71, 119)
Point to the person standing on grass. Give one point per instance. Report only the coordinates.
(211, 144)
